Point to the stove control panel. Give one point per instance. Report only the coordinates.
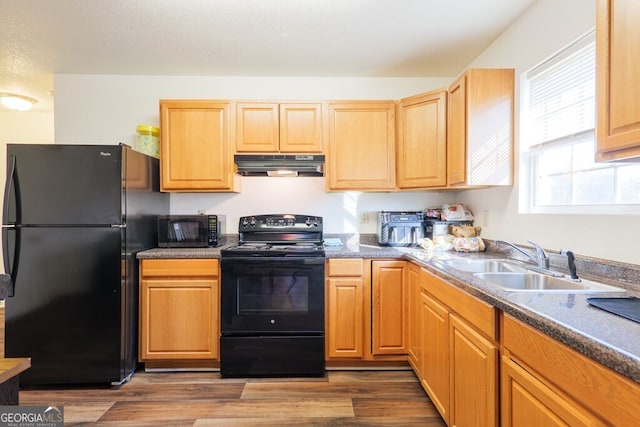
(280, 222)
(257, 223)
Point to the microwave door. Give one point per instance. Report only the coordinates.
(192, 231)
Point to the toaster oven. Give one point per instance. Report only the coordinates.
(400, 228)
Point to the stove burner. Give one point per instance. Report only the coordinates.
(272, 249)
(277, 235)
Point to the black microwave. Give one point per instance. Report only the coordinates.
(189, 231)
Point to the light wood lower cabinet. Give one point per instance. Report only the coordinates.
(389, 299)
(366, 304)
(434, 363)
(474, 376)
(528, 402)
(454, 349)
(179, 309)
(414, 349)
(544, 382)
(458, 356)
(345, 308)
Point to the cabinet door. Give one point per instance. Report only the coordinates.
(195, 146)
(389, 301)
(257, 128)
(490, 109)
(301, 128)
(474, 377)
(527, 402)
(361, 154)
(457, 132)
(345, 319)
(435, 353)
(179, 319)
(422, 141)
(618, 79)
(415, 325)
(480, 128)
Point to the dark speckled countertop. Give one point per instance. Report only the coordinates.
(565, 316)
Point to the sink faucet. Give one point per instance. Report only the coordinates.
(571, 260)
(541, 258)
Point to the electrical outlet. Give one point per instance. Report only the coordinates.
(485, 218)
(364, 218)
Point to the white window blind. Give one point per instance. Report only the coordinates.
(562, 93)
(558, 139)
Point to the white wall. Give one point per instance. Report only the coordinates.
(545, 28)
(105, 109)
(23, 127)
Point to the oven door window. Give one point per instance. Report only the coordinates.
(269, 295)
(273, 291)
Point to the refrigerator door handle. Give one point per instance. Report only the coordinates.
(12, 270)
(10, 184)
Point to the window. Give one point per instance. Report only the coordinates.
(557, 159)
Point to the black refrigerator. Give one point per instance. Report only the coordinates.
(74, 217)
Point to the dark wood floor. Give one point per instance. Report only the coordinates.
(354, 398)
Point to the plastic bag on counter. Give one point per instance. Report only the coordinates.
(456, 212)
(468, 244)
(439, 243)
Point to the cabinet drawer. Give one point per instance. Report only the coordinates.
(478, 313)
(179, 267)
(345, 267)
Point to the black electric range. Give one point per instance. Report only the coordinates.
(272, 298)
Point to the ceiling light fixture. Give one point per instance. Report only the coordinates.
(16, 102)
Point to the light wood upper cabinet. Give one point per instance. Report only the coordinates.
(301, 128)
(618, 80)
(361, 151)
(196, 150)
(457, 133)
(179, 309)
(257, 127)
(422, 141)
(271, 127)
(480, 128)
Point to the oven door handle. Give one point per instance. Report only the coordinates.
(287, 260)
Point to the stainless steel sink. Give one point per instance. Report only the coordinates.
(484, 265)
(534, 282)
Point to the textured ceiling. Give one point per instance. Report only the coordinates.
(365, 38)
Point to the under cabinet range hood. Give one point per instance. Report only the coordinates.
(280, 164)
